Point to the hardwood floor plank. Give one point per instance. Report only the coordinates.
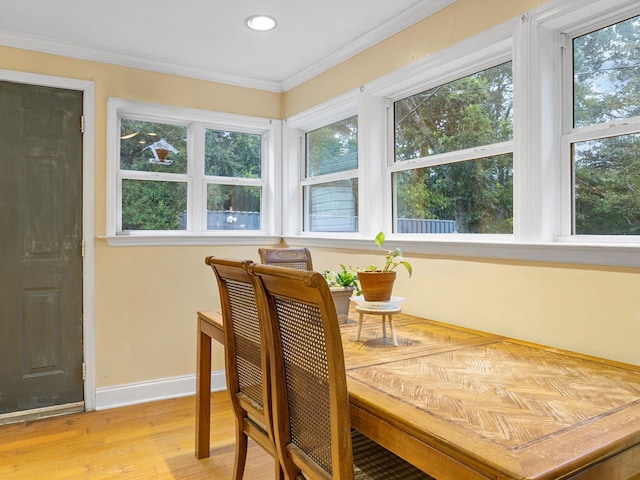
(140, 442)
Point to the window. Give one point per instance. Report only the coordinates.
(454, 156)
(153, 175)
(188, 172)
(330, 186)
(522, 142)
(233, 163)
(604, 135)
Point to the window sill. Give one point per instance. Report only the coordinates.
(565, 252)
(139, 240)
(611, 255)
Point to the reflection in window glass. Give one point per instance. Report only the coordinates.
(607, 186)
(233, 207)
(474, 196)
(151, 205)
(469, 112)
(232, 154)
(153, 147)
(333, 148)
(333, 206)
(606, 74)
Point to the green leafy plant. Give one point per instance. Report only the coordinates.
(393, 259)
(343, 278)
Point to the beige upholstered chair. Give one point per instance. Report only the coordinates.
(308, 383)
(246, 364)
(299, 258)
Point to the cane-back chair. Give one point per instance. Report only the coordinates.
(312, 429)
(299, 258)
(245, 360)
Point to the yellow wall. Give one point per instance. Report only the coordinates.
(592, 310)
(146, 297)
(146, 304)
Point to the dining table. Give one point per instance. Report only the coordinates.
(464, 404)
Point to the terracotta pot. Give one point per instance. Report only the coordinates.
(376, 286)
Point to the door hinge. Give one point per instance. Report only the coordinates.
(81, 123)
(84, 371)
(83, 248)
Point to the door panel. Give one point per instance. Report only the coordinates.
(40, 247)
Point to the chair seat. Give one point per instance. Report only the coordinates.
(372, 461)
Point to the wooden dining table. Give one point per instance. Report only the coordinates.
(463, 404)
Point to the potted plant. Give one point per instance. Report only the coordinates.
(342, 285)
(376, 282)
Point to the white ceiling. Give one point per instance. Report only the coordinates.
(207, 39)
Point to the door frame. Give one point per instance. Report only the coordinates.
(88, 209)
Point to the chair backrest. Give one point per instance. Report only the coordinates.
(308, 380)
(299, 258)
(245, 350)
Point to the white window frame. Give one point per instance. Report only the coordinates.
(571, 135)
(322, 179)
(295, 179)
(492, 59)
(197, 122)
(534, 43)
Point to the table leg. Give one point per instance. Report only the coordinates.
(359, 327)
(203, 394)
(384, 327)
(393, 331)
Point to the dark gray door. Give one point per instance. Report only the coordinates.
(40, 247)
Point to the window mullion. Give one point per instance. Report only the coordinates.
(197, 200)
(292, 192)
(536, 174)
(565, 69)
(374, 184)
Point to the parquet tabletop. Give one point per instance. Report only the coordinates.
(509, 408)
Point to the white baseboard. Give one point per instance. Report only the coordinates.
(160, 389)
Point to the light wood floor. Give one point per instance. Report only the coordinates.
(149, 441)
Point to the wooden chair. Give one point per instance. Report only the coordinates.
(311, 422)
(245, 360)
(299, 258)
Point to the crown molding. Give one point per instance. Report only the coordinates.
(123, 59)
(396, 24)
(73, 50)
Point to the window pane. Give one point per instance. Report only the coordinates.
(606, 71)
(475, 196)
(232, 154)
(607, 186)
(333, 148)
(469, 112)
(150, 205)
(153, 147)
(332, 207)
(233, 207)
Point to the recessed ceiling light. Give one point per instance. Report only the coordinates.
(261, 23)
